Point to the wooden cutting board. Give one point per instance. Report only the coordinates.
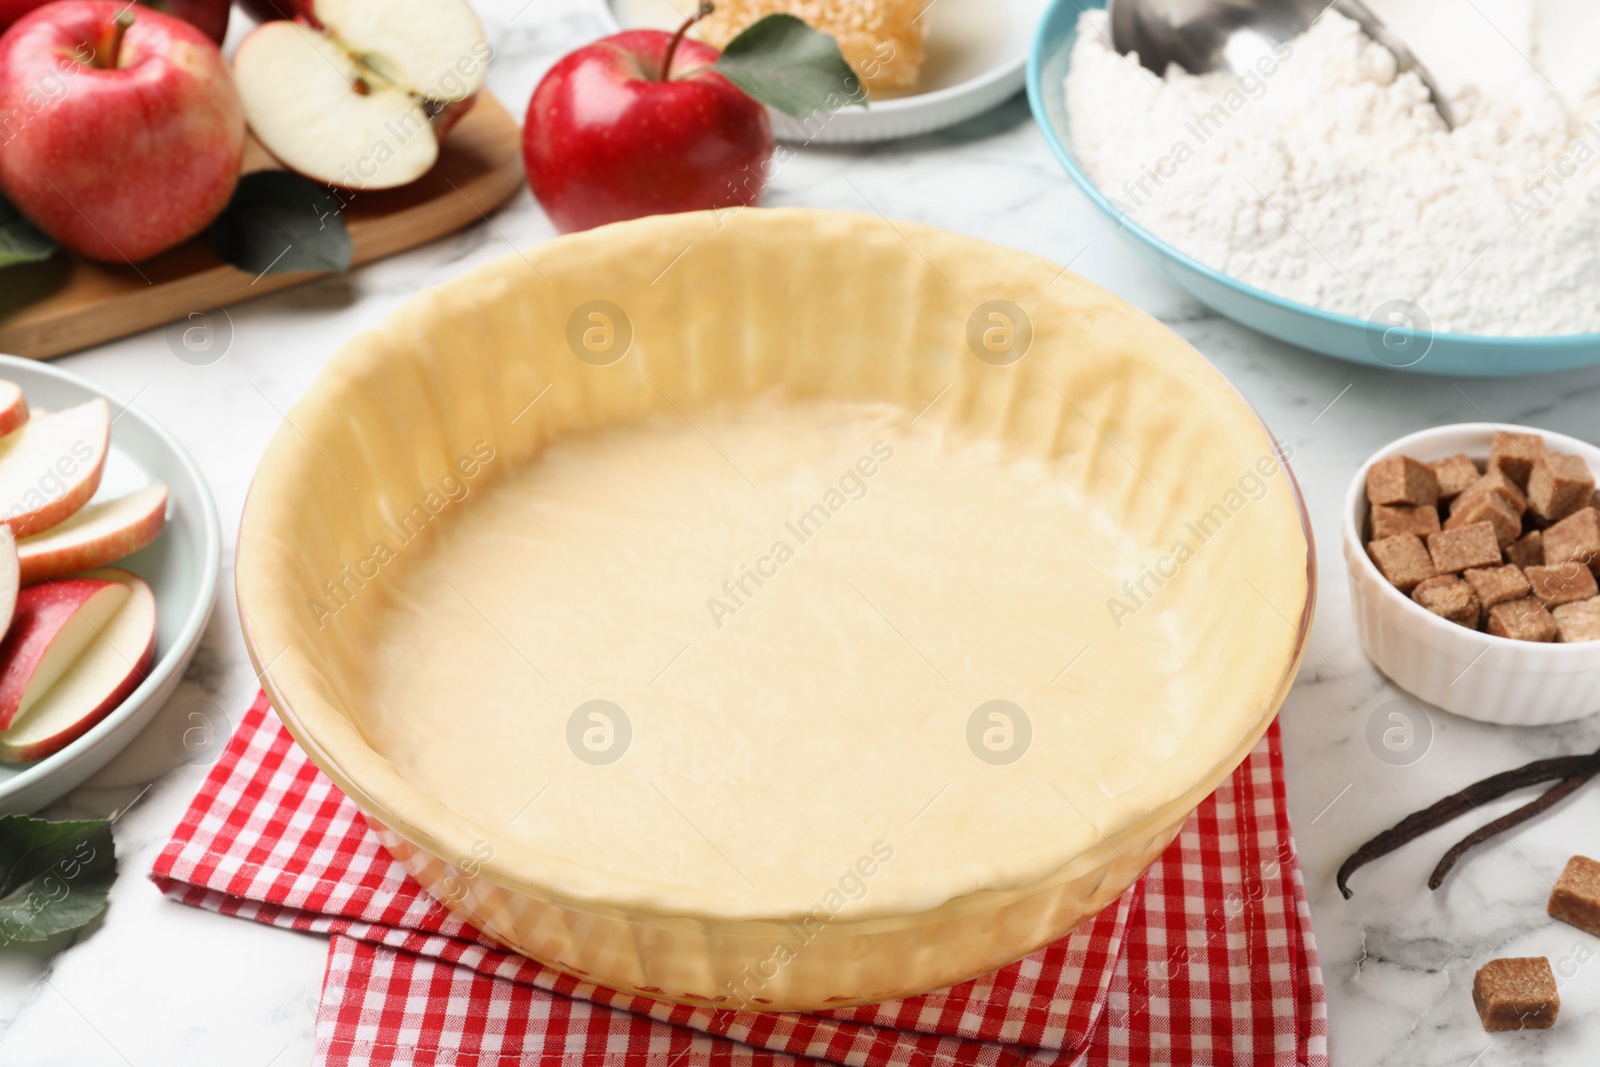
(68, 303)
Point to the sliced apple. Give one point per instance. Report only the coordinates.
(53, 623)
(98, 534)
(52, 465)
(10, 578)
(105, 671)
(13, 407)
(360, 93)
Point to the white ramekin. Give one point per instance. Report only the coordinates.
(1494, 679)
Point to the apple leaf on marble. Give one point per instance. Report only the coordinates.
(280, 222)
(54, 876)
(20, 240)
(786, 64)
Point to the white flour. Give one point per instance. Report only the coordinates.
(1327, 179)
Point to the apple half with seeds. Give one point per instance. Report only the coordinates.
(358, 93)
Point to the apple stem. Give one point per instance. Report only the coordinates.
(107, 59)
(706, 7)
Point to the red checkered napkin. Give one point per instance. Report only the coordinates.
(1210, 959)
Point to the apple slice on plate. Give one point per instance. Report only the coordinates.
(360, 93)
(52, 624)
(97, 534)
(13, 407)
(106, 669)
(10, 578)
(52, 465)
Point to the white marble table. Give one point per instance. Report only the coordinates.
(157, 983)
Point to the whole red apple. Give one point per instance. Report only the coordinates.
(613, 134)
(209, 16)
(12, 10)
(123, 135)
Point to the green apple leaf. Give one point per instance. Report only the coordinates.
(20, 240)
(279, 222)
(54, 876)
(786, 64)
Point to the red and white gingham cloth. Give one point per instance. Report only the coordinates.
(1208, 960)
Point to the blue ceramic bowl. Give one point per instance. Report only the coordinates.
(1395, 338)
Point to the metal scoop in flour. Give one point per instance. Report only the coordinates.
(1209, 35)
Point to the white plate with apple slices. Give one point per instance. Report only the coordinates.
(96, 639)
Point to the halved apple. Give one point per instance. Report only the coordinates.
(358, 93)
(52, 465)
(98, 534)
(13, 407)
(117, 658)
(52, 625)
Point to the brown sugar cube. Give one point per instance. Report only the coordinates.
(1451, 598)
(1402, 480)
(1493, 509)
(1514, 454)
(1578, 622)
(1496, 585)
(1522, 620)
(1576, 537)
(1389, 520)
(1558, 485)
(1473, 545)
(1576, 898)
(1495, 483)
(1404, 560)
(1527, 551)
(1516, 994)
(1454, 476)
(1565, 583)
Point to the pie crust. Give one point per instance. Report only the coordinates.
(797, 516)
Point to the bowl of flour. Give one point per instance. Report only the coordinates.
(1319, 198)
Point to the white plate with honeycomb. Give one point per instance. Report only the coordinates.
(973, 57)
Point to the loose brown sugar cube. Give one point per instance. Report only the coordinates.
(1558, 485)
(1565, 583)
(1578, 622)
(1402, 480)
(1576, 537)
(1454, 476)
(1494, 483)
(1451, 598)
(1473, 545)
(1522, 620)
(1496, 585)
(1493, 509)
(1404, 560)
(1527, 551)
(1389, 520)
(1576, 898)
(1514, 454)
(1516, 994)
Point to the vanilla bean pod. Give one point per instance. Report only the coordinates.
(1549, 799)
(1558, 768)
